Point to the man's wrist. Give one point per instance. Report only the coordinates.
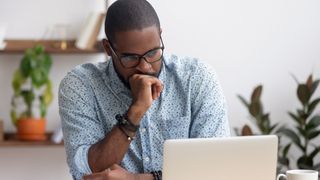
(143, 177)
(135, 114)
(126, 123)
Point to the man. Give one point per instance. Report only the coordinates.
(117, 114)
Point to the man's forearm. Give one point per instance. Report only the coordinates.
(111, 149)
(108, 151)
(106, 175)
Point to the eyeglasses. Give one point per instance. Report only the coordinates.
(129, 60)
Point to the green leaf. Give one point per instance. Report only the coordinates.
(43, 108)
(265, 126)
(265, 117)
(286, 150)
(304, 94)
(309, 82)
(17, 81)
(255, 97)
(314, 86)
(283, 160)
(279, 131)
(314, 153)
(313, 123)
(47, 94)
(296, 118)
(302, 115)
(313, 105)
(305, 162)
(38, 49)
(273, 127)
(243, 101)
(45, 99)
(28, 97)
(301, 131)
(293, 136)
(255, 109)
(26, 66)
(14, 118)
(313, 134)
(46, 62)
(39, 77)
(246, 131)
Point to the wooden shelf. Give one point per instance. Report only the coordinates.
(19, 46)
(10, 140)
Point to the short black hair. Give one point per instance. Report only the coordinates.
(125, 15)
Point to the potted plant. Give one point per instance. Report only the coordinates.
(307, 125)
(303, 135)
(32, 94)
(263, 125)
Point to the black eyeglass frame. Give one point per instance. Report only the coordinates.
(140, 56)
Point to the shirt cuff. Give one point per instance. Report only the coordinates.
(81, 160)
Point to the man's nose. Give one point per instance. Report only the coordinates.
(144, 66)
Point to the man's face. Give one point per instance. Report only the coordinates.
(135, 42)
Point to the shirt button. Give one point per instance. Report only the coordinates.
(143, 130)
(146, 159)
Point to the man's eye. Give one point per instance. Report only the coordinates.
(130, 58)
(151, 53)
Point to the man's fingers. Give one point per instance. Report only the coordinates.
(154, 92)
(114, 166)
(153, 80)
(96, 176)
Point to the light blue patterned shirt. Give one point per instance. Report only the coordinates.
(191, 105)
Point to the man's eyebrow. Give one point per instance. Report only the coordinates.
(135, 54)
(129, 54)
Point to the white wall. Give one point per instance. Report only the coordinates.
(248, 42)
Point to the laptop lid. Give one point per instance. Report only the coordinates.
(246, 157)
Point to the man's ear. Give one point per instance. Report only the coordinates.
(106, 46)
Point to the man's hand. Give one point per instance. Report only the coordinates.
(115, 172)
(145, 89)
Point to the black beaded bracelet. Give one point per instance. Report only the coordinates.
(124, 121)
(157, 175)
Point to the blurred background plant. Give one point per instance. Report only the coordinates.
(31, 82)
(263, 125)
(307, 124)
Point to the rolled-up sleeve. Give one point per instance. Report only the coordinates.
(80, 125)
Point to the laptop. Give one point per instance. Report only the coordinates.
(232, 158)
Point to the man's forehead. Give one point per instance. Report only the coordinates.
(146, 39)
(137, 33)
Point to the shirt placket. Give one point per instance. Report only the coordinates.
(145, 143)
